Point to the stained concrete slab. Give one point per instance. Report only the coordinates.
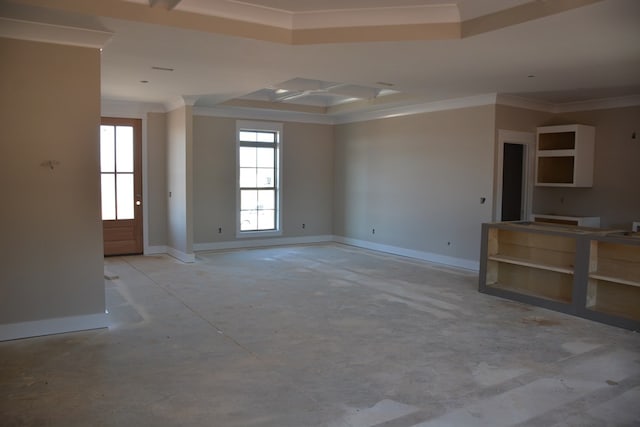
(319, 335)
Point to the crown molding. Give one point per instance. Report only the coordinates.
(408, 110)
(52, 33)
(263, 114)
(138, 109)
(599, 104)
(569, 107)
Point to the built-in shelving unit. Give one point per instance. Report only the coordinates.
(535, 264)
(582, 271)
(565, 155)
(614, 278)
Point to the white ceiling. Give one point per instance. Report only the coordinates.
(584, 53)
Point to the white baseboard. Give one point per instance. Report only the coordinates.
(155, 250)
(258, 243)
(36, 328)
(410, 253)
(182, 256)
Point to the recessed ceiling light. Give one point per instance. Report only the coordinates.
(144, 81)
(387, 84)
(531, 76)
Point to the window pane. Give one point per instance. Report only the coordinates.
(108, 196)
(266, 137)
(248, 220)
(265, 177)
(125, 196)
(124, 148)
(247, 157)
(248, 200)
(266, 220)
(107, 162)
(248, 177)
(266, 199)
(265, 157)
(247, 136)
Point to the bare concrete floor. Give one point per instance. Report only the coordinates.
(318, 336)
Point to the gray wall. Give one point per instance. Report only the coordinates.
(417, 180)
(51, 245)
(307, 185)
(614, 197)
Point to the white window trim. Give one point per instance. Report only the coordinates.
(260, 126)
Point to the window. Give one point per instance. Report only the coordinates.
(258, 178)
(116, 171)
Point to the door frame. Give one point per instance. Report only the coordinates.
(528, 141)
(139, 196)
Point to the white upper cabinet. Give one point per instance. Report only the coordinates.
(565, 155)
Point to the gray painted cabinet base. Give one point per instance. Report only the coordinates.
(588, 273)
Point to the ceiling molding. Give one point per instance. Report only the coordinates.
(236, 18)
(519, 14)
(261, 114)
(599, 104)
(53, 33)
(526, 103)
(136, 109)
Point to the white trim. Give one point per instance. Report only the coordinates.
(261, 126)
(528, 140)
(155, 250)
(129, 109)
(407, 110)
(258, 243)
(182, 256)
(263, 114)
(569, 107)
(410, 253)
(51, 33)
(290, 20)
(599, 104)
(36, 328)
(528, 104)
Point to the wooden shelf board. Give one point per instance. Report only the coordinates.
(518, 261)
(613, 279)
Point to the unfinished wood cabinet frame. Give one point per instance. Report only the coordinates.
(591, 274)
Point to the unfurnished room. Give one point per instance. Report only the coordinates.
(306, 213)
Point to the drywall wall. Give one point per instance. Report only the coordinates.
(156, 178)
(307, 174)
(417, 180)
(179, 181)
(614, 195)
(51, 245)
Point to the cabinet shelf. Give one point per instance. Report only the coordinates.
(524, 263)
(614, 279)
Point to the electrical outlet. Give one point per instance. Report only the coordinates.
(373, 231)
(636, 226)
(219, 230)
(304, 226)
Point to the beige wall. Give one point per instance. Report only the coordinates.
(307, 175)
(179, 180)
(156, 177)
(51, 244)
(417, 180)
(614, 196)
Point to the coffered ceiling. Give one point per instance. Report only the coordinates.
(329, 57)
